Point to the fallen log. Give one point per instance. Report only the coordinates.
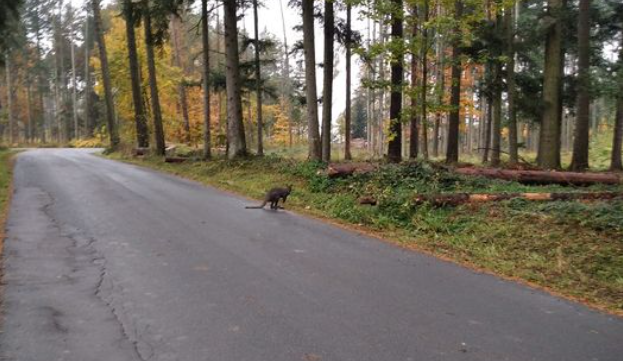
(455, 199)
(175, 159)
(543, 177)
(337, 170)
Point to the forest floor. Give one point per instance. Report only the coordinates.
(5, 188)
(572, 249)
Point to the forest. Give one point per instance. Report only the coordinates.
(491, 81)
(486, 132)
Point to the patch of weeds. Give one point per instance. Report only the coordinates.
(598, 216)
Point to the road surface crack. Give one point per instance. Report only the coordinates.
(104, 286)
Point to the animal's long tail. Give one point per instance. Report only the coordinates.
(257, 207)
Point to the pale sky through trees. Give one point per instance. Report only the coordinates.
(270, 21)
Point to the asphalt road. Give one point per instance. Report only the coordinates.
(108, 261)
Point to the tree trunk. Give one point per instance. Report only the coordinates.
(153, 86)
(110, 108)
(29, 111)
(205, 42)
(258, 85)
(414, 126)
(315, 152)
(549, 142)
(496, 131)
(424, 80)
(9, 96)
(327, 86)
(394, 151)
(63, 135)
(87, 81)
(236, 142)
(140, 119)
(176, 24)
(441, 84)
(380, 124)
(617, 141)
(488, 130)
(74, 86)
(347, 113)
(370, 92)
(579, 161)
(510, 78)
(452, 153)
(286, 77)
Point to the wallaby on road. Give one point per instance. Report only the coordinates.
(273, 196)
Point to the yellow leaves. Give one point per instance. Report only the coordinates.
(168, 78)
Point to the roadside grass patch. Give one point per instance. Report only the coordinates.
(570, 248)
(5, 177)
(5, 188)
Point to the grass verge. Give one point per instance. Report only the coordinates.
(5, 190)
(570, 249)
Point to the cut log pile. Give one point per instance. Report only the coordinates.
(338, 170)
(456, 199)
(543, 177)
(524, 176)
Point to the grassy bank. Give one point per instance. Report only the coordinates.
(5, 188)
(569, 248)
